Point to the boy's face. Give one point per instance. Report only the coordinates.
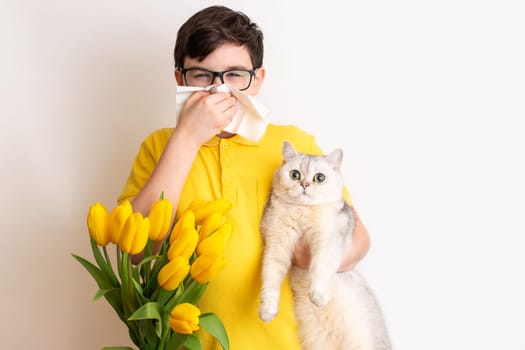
(226, 57)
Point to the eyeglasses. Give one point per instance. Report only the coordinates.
(240, 79)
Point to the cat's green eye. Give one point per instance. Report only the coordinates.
(319, 177)
(295, 175)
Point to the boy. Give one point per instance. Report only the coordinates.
(198, 160)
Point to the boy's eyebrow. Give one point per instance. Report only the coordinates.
(228, 68)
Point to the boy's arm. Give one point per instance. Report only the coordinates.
(357, 247)
(204, 116)
(168, 177)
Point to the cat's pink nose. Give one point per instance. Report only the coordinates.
(305, 184)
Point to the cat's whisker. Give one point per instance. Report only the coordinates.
(286, 191)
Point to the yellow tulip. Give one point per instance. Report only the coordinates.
(172, 274)
(196, 203)
(216, 242)
(203, 211)
(184, 318)
(184, 244)
(160, 219)
(210, 225)
(97, 222)
(206, 267)
(185, 222)
(134, 234)
(117, 219)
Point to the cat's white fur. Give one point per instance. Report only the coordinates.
(334, 311)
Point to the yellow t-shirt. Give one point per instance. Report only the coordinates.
(241, 171)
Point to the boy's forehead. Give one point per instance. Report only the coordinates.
(224, 57)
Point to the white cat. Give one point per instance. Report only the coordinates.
(334, 311)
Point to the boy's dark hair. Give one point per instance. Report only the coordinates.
(214, 26)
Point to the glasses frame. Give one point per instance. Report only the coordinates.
(219, 74)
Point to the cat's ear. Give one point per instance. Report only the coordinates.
(335, 158)
(288, 151)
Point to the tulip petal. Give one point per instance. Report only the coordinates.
(221, 205)
(210, 224)
(184, 318)
(134, 234)
(97, 222)
(160, 219)
(172, 274)
(140, 238)
(184, 244)
(215, 243)
(117, 219)
(206, 267)
(186, 221)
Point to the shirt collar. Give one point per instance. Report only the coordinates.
(214, 141)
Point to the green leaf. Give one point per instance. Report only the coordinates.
(176, 341)
(147, 259)
(102, 263)
(137, 286)
(114, 299)
(150, 311)
(130, 301)
(119, 260)
(213, 325)
(125, 271)
(193, 343)
(100, 277)
(135, 274)
(160, 261)
(164, 295)
(102, 292)
(191, 294)
(117, 348)
(134, 334)
(146, 266)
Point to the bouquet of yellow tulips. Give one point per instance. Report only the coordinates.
(157, 298)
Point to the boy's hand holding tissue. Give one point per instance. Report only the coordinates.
(202, 114)
(216, 109)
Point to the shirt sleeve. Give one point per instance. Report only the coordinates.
(143, 165)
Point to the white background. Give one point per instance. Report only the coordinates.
(427, 99)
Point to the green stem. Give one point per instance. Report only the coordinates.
(165, 331)
(102, 263)
(191, 294)
(119, 261)
(110, 266)
(147, 266)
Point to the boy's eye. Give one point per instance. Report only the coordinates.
(201, 75)
(319, 177)
(235, 74)
(295, 175)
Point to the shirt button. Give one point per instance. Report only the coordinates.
(224, 145)
(227, 178)
(227, 160)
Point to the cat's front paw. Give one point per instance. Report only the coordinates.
(320, 296)
(269, 303)
(267, 312)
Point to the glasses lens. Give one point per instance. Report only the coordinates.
(197, 77)
(239, 79)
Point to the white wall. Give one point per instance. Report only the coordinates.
(427, 99)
